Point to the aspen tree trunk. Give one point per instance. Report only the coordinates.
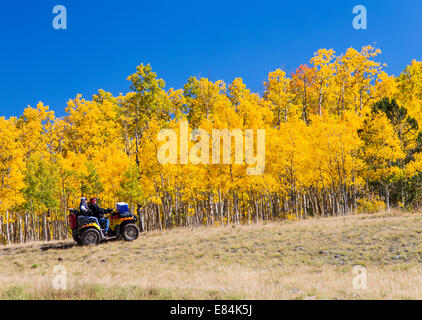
(271, 206)
(346, 204)
(58, 235)
(7, 227)
(300, 208)
(159, 217)
(140, 218)
(211, 201)
(249, 215)
(20, 229)
(15, 233)
(261, 208)
(387, 198)
(12, 233)
(66, 220)
(236, 208)
(220, 209)
(197, 210)
(146, 216)
(33, 228)
(26, 231)
(36, 227)
(48, 230)
(44, 217)
(355, 193)
(320, 102)
(176, 206)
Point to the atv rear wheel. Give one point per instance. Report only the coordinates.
(130, 232)
(90, 237)
(76, 238)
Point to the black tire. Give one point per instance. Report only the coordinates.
(130, 232)
(76, 238)
(90, 237)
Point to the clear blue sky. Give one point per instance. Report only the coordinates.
(107, 39)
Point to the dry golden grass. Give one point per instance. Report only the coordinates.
(311, 259)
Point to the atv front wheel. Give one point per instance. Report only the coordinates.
(130, 232)
(90, 237)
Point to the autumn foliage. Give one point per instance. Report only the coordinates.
(342, 136)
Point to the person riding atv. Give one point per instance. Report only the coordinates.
(86, 230)
(99, 213)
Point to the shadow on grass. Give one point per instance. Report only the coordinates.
(60, 246)
(67, 245)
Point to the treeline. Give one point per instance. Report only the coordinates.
(341, 136)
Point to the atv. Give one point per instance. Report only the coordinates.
(86, 231)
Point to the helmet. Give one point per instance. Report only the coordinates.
(93, 200)
(83, 199)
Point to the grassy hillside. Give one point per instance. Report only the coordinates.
(310, 259)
